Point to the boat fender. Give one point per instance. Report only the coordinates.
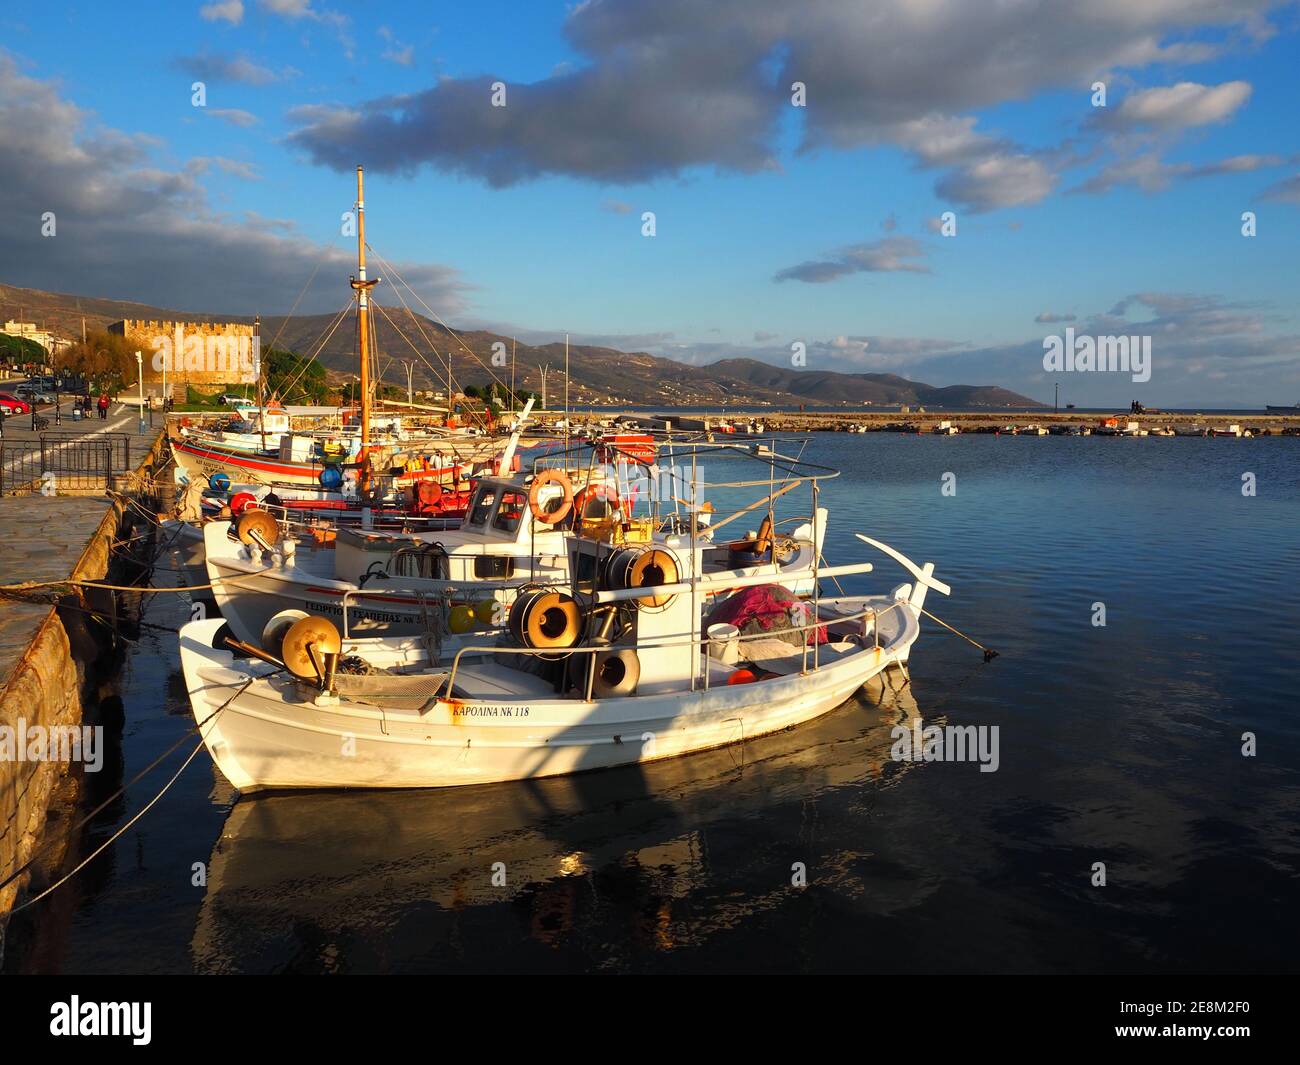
(240, 502)
(460, 619)
(220, 481)
(557, 513)
(331, 477)
(643, 567)
(617, 672)
(546, 620)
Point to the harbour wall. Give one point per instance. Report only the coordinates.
(55, 677)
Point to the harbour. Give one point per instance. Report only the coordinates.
(629, 489)
(365, 607)
(685, 864)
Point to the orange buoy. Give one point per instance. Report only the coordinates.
(742, 676)
(556, 514)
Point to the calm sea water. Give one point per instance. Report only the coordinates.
(1119, 744)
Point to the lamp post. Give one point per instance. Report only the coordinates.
(139, 362)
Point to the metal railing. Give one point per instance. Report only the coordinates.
(119, 444)
(49, 468)
(694, 641)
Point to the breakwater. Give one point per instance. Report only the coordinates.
(896, 420)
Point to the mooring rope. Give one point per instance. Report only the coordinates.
(197, 727)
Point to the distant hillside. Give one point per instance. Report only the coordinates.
(597, 375)
(856, 389)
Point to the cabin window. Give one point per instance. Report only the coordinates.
(494, 567)
(483, 504)
(510, 512)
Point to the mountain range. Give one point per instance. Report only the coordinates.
(598, 375)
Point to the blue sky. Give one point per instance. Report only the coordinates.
(774, 223)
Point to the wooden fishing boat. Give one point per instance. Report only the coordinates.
(604, 677)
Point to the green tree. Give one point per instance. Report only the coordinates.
(294, 379)
(21, 350)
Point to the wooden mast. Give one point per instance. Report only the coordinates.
(362, 287)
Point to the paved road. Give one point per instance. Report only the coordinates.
(43, 539)
(21, 443)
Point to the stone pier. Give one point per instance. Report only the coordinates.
(52, 651)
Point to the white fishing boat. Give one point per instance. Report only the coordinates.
(626, 639)
(614, 672)
(517, 533)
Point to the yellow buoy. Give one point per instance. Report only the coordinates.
(487, 611)
(461, 619)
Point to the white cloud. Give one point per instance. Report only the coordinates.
(1179, 106)
(231, 11)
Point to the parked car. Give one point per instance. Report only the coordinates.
(35, 393)
(232, 401)
(11, 404)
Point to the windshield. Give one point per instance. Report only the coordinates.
(510, 512)
(482, 506)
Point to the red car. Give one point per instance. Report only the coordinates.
(11, 404)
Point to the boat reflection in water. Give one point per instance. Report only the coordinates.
(606, 867)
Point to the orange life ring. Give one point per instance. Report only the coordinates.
(590, 494)
(544, 478)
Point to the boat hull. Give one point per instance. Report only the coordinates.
(266, 732)
(198, 461)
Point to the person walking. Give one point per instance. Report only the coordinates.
(103, 406)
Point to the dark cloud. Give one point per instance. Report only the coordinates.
(128, 229)
(209, 66)
(678, 84)
(890, 255)
(1285, 191)
(1048, 318)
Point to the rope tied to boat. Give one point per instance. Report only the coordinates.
(47, 844)
(989, 653)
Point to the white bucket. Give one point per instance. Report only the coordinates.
(724, 643)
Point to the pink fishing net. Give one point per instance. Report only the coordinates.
(770, 609)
